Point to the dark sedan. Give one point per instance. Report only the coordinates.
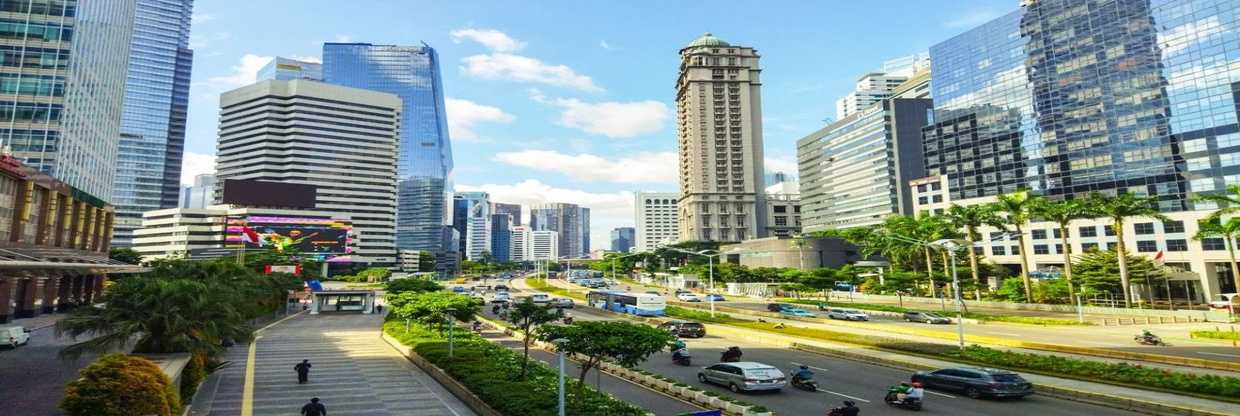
(926, 317)
(976, 382)
(684, 329)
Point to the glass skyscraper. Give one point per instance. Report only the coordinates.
(63, 85)
(285, 69)
(152, 132)
(1064, 98)
(425, 166)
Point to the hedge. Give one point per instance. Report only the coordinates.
(489, 370)
(1228, 335)
(121, 385)
(1030, 320)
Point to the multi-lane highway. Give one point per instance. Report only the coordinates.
(840, 380)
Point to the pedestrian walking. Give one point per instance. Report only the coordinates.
(379, 308)
(303, 371)
(314, 408)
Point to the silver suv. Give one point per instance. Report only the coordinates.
(743, 376)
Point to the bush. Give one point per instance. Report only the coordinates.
(195, 371)
(120, 385)
(411, 284)
(1231, 335)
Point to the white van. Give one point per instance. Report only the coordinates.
(540, 298)
(12, 336)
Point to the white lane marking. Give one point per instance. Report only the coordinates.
(810, 366)
(1008, 334)
(844, 395)
(1219, 354)
(941, 394)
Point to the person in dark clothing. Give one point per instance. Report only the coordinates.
(303, 371)
(314, 408)
(379, 308)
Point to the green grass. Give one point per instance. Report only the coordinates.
(1227, 335)
(1017, 319)
(541, 285)
(699, 316)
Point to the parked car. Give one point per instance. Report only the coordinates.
(848, 315)
(926, 317)
(797, 312)
(715, 297)
(688, 297)
(777, 307)
(976, 382)
(562, 303)
(684, 328)
(744, 376)
(13, 335)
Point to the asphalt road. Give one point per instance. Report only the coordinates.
(33, 378)
(841, 380)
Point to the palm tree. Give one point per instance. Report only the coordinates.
(1117, 209)
(904, 234)
(933, 228)
(1228, 231)
(1016, 207)
(1228, 203)
(1062, 213)
(970, 218)
(799, 241)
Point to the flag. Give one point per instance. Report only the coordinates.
(248, 235)
(1158, 259)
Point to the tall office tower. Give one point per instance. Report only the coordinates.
(718, 99)
(543, 245)
(655, 217)
(501, 236)
(287, 69)
(569, 220)
(425, 174)
(66, 62)
(518, 249)
(469, 210)
(511, 209)
(201, 194)
(879, 85)
(854, 171)
(341, 140)
(152, 134)
(622, 239)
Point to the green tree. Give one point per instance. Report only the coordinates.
(375, 274)
(121, 385)
(426, 261)
(1227, 231)
(1098, 271)
(1228, 204)
(970, 218)
(125, 255)
(624, 343)
(434, 309)
(527, 316)
(411, 284)
(1015, 206)
(1118, 209)
(1062, 213)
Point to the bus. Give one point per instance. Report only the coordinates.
(640, 304)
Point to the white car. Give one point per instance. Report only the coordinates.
(540, 298)
(12, 336)
(688, 297)
(848, 315)
(501, 297)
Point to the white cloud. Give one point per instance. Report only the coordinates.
(973, 18)
(603, 44)
(607, 210)
(786, 165)
(307, 58)
(490, 38)
(464, 114)
(244, 73)
(199, 18)
(609, 118)
(194, 164)
(505, 66)
(342, 38)
(645, 167)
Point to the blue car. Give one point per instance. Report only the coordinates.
(797, 312)
(458, 289)
(714, 297)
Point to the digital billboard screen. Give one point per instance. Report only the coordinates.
(287, 234)
(254, 193)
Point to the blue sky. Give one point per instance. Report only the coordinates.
(572, 101)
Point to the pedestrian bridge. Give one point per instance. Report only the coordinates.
(362, 301)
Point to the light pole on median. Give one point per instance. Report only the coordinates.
(559, 348)
(710, 265)
(952, 246)
(451, 328)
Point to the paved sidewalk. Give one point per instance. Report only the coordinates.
(354, 373)
(46, 320)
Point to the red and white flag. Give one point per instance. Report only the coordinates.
(248, 235)
(1158, 258)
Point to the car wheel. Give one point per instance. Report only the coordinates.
(732, 386)
(702, 378)
(973, 393)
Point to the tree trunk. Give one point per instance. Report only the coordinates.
(946, 272)
(525, 342)
(1235, 271)
(1067, 261)
(977, 279)
(930, 272)
(585, 369)
(1024, 264)
(1122, 257)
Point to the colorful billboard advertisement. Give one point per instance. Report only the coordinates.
(323, 236)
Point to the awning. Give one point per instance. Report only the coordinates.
(24, 258)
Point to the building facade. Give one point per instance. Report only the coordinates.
(205, 232)
(622, 239)
(783, 214)
(425, 168)
(543, 246)
(341, 140)
(571, 223)
(64, 84)
(880, 85)
(471, 212)
(501, 236)
(152, 132)
(513, 210)
(288, 69)
(719, 130)
(201, 194)
(656, 221)
(518, 249)
(854, 171)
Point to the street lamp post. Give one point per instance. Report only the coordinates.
(710, 264)
(559, 344)
(951, 246)
(451, 329)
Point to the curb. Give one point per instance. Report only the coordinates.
(459, 390)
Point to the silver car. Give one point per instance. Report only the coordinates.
(847, 315)
(743, 376)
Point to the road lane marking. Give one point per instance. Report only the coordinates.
(1008, 334)
(810, 366)
(844, 395)
(940, 394)
(247, 394)
(1219, 354)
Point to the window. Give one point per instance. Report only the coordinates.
(978, 251)
(1145, 228)
(998, 251)
(1148, 246)
(921, 188)
(1212, 244)
(1041, 249)
(937, 198)
(934, 186)
(1059, 248)
(1055, 233)
(1177, 245)
(1109, 230)
(1171, 227)
(1089, 246)
(781, 221)
(1015, 250)
(922, 200)
(995, 235)
(1039, 234)
(780, 209)
(1089, 231)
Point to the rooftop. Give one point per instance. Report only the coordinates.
(708, 39)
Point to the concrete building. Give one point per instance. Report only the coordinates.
(880, 85)
(153, 117)
(656, 221)
(719, 131)
(518, 248)
(472, 219)
(287, 69)
(531, 245)
(785, 252)
(410, 261)
(216, 231)
(65, 68)
(622, 239)
(513, 210)
(569, 221)
(783, 214)
(501, 236)
(201, 194)
(341, 140)
(54, 240)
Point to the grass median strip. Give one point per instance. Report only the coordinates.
(1028, 320)
(1226, 335)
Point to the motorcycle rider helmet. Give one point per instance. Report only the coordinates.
(849, 403)
(917, 384)
(805, 367)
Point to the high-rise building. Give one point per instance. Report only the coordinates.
(341, 140)
(783, 214)
(66, 63)
(519, 244)
(531, 245)
(501, 236)
(879, 85)
(655, 217)
(718, 99)
(471, 218)
(425, 168)
(572, 222)
(287, 69)
(622, 239)
(511, 209)
(152, 130)
(201, 194)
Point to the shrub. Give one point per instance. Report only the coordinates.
(120, 385)
(1231, 335)
(195, 371)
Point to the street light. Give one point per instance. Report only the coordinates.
(559, 349)
(710, 258)
(451, 328)
(952, 246)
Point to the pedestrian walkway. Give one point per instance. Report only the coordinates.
(354, 373)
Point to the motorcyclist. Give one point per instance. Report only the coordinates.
(732, 354)
(678, 345)
(681, 352)
(477, 326)
(917, 392)
(849, 409)
(568, 319)
(899, 392)
(1147, 335)
(802, 374)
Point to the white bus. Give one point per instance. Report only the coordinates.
(640, 304)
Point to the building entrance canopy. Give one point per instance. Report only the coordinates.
(62, 259)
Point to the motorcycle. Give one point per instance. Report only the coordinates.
(805, 384)
(1149, 340)
(681, 357)
(731, 355)
(908, 402)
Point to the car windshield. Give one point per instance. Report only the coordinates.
(692, 325)
(1007, 378)
(933, 315)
